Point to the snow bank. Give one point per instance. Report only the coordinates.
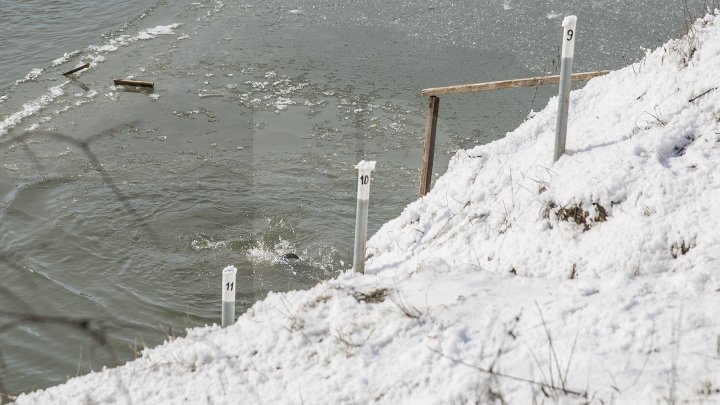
(594, 279)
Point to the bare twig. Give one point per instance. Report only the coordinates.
(702, 94)
(540, 367)
(572, 353)
(84, 146)
(647, 357)
(511, 377)
(96, 329)
(406, 309)
(552, 353)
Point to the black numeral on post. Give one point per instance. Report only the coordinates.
(364, 179)
(229, 286)
(570, 34)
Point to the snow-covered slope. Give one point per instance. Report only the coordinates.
(594, 279)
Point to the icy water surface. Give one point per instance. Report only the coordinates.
(122, 206)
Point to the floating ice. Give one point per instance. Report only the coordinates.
(59, 61)
(203, 242)
(31, 107)
(151, 33)
(32, 75)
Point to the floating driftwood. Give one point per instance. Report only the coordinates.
(77, 69)
(137, 83)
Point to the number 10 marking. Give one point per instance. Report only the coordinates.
(364, 179)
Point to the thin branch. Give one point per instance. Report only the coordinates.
(701, 94)
(84, 146)
(572, 353)
(552, 349)
(511, 377)
(82, 323)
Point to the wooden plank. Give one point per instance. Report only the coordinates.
(139, 83)
(429, 149)
(508, 84)
(77, 69)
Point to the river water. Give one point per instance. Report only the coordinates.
(121, 207)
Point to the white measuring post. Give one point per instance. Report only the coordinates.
(568, 53)
(228, 295)
(361, 214)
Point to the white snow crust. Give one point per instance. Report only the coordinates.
(591, 280)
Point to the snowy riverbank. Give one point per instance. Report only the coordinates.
(595, 278)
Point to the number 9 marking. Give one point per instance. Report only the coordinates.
(570, 34)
